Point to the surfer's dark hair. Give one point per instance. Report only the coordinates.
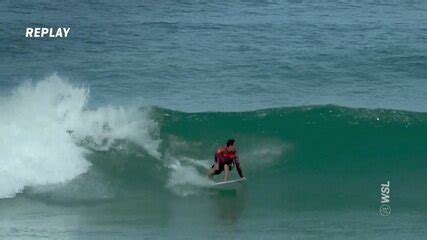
(230, 142)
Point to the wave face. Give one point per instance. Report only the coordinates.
(306, 139)
(55, 146)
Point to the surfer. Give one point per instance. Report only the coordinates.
(225, 158)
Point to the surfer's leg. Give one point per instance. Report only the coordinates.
(227, 172)
(213, 170)
(217, 168)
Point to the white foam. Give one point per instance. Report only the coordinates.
(262, 152)
(35, 148)
(186, 180)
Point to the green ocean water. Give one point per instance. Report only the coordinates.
(108, 134)
(314, 172)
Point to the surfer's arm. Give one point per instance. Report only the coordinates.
(238, 167)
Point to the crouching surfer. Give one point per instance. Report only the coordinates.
(225, 159)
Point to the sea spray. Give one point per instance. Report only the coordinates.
(43, 125)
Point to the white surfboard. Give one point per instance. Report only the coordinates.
(232, 184)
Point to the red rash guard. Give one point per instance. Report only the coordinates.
(222, 156)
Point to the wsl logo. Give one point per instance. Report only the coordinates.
(385, 208)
